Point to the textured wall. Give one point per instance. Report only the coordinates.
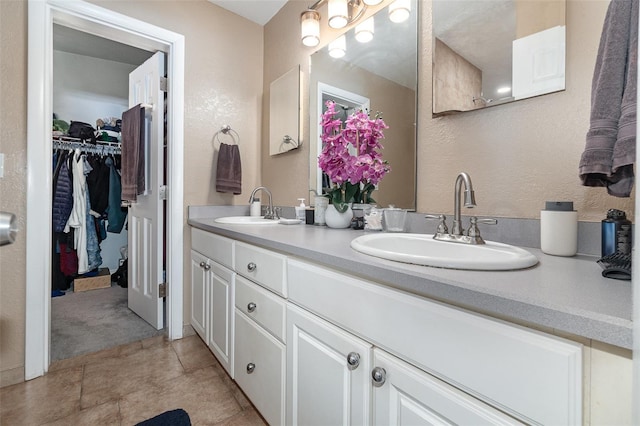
(519, 154)
(13, 186)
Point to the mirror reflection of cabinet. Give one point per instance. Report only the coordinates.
(284, 112)
(383, 71)
(492, 52)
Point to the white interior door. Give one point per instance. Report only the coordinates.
(146, 219)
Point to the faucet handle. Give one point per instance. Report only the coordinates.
(474, 232)
(442, 225)
(277, 211)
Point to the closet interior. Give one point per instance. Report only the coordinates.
(89, 225)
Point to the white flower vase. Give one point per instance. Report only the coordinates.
(337, 220)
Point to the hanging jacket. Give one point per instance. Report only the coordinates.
(62, 194)
(115, 214)
(78, 216)
(98, 184)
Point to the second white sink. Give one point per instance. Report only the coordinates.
(422, 249)
(246, 220)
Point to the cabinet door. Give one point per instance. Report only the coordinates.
(260, 368)
(199, 293)
(220, 331)
(405, 395)
(327, 373)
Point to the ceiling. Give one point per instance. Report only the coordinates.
(258, 11)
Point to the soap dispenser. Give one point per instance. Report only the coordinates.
(300, 214)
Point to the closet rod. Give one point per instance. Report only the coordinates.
(99, 148)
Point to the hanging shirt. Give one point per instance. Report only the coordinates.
(78, 216)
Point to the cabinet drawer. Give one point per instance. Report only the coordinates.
(262, 266)
(215, 247)
(532, 375)
(262, 306)
(260, 368)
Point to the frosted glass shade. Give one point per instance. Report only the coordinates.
(310, 28)
(338, 47)
(400, 10)
(338, 13)
(372, 2)
(364, 31)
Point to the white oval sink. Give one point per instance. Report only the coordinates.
(422, 249)
(246, 220)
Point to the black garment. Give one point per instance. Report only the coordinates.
(98, 184)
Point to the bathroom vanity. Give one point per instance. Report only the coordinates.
(316, 333)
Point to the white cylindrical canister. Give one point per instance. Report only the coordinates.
(559, 229)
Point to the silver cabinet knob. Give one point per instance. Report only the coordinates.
(353, 360)
(379, 376)
(207, 267)
(202, 264)
(251, 267)
(251, 307)
(250, 368)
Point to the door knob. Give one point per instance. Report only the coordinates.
(250, 368)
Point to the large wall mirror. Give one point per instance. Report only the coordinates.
(379, 76)
(491, 52)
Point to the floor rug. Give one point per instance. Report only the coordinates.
(90, 321)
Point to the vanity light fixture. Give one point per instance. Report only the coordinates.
(400, 10)
(364, 30)
(341, 13)
(338, 47)
(372, 2)
(310, 28)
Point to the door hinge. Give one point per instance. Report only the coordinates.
(164, 82)
(163, 192)
(162, 290)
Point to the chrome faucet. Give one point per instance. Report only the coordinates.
(270, 213)
(469, 201)
(457, 234)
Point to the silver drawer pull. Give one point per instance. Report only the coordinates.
(251, 267)
(207, 267)
(202, 264)
(251, 307)
(250, 368)
(353, 360)
(379, 376)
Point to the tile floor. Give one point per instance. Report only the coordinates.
(128, 384)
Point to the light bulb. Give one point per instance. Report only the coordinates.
(364, 31)
(338, 47)
(338, 13)
(400, 10)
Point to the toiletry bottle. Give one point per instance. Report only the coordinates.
(321, 204)
(255, 209)
(300, 214)
(559, 229)
(616, 233)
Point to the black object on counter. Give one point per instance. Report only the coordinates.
(616, 265)
(616, 233)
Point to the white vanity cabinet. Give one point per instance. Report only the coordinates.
(260, 319)
(212, 292)
(476, 363)
(327, 373)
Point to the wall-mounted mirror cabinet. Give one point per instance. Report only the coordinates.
(491, 52)
(284, 112)
(379, 76)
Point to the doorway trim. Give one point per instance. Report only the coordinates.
(42, 14)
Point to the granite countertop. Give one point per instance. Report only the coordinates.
(566, 294)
